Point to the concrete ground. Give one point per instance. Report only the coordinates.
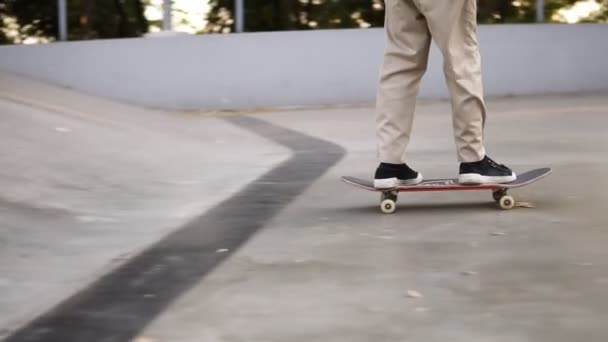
(120, 223)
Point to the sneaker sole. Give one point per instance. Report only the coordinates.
(394, 182)
(475, 178)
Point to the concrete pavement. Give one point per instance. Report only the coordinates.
(91, 185)
(331, 268)
(87, 184)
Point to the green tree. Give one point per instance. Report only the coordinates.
(3, 37)
(87, 19)
(278, 15)
(35, 18)
(492, 11)
(601, 16)
(553, 6)
(520, 11)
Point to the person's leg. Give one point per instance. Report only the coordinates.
(453, 25)
(405, 60)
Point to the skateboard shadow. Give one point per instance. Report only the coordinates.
(424, 207)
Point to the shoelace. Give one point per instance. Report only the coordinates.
(495, 164)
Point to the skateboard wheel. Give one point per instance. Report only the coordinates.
(388, 206)
(507, 202)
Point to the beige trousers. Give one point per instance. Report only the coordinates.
(409, 26)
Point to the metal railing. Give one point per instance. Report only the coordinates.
(62, 16)
(540, 11)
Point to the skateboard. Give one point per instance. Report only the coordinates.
(388, 197)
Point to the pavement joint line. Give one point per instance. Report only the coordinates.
(62, 110)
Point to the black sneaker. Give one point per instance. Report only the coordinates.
(485, 171)
(393, 175)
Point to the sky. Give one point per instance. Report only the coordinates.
(579, 11)
(188, 15)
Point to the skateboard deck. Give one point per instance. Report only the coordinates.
(499, 191)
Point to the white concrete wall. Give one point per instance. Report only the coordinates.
(304, 68)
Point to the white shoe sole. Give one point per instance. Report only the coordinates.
(390, 183)
(475, 178)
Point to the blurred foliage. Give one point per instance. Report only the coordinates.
(278, 15)
(93, 19)
(87, 19)
(600, 16)
(3, 38)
